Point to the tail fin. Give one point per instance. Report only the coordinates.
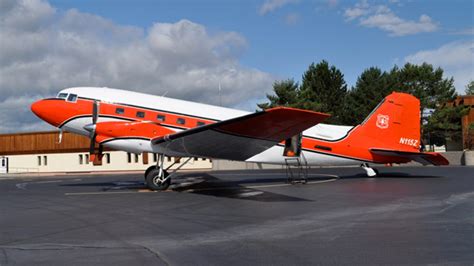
(395, 123)
(392, 132)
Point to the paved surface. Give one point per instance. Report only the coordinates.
(419, 215)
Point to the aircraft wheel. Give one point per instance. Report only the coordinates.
(156, 182)
(149, 169)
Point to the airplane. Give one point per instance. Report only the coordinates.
(137, 122)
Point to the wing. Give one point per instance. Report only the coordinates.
(424, 158)
(239, 138)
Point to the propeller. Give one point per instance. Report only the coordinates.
(92, 128)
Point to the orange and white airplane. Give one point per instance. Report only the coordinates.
(137, 122)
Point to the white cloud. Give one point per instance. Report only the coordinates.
(382, 17)
(456, 58)
(272, 5)
(468, 31)
(43, 51)
(15, 115)
(360, 9)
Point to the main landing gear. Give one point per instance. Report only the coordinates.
(157, 177)
(371, 172)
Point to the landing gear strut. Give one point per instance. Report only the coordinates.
(371, 172)
(157, 177)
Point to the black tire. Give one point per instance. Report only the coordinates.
(149, 169)
(153, 182)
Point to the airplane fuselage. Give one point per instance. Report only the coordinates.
(322, 144)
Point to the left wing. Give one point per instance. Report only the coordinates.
(239, 138)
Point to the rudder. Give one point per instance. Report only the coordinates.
(395, 123)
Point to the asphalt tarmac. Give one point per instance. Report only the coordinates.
(419, 215)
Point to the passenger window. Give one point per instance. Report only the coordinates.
(200, 123)
(180, 121)
(72, 98)
(161, 118)
(62, 95)
(119, 111)
(140, 114)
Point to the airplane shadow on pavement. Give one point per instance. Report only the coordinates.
(244, 188)
(390, 175)
(207, 184)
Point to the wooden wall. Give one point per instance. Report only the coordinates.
(42, 142)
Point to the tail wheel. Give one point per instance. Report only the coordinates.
(157, 180)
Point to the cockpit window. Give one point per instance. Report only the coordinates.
(72, 98)
(62, 95)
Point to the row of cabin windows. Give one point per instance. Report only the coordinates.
(121, 111)
(161, 118)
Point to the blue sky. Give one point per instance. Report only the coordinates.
(284, 41)
(185, 49)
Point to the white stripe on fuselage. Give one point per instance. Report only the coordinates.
(193, 109)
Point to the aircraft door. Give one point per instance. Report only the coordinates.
(293, 146)
(3, 165)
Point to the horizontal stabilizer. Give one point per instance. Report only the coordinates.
(424, 158)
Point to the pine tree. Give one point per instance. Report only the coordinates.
(286, 94)
(370, 89)
(426, 83)
(470, 88)
(434, 92)
(323, 89)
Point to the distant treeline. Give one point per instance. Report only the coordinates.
(324, 89)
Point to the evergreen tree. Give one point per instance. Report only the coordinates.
(470, 88)
(286, 94)
(323, 89)
(371, 87)
(445, 123)
(426, 83)
(434, 92)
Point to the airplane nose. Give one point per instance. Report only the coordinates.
(47, 111)
(36, 108)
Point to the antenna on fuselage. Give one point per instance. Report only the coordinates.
(164, 94)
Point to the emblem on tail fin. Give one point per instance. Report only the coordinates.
(382, 121)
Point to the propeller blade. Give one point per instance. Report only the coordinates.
(91, 128)
(92, 144)
(95, 112)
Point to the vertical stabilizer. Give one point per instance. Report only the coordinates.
(395, 123)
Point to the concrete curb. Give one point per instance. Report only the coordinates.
(468, 158)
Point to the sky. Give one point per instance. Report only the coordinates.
(185, 49)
